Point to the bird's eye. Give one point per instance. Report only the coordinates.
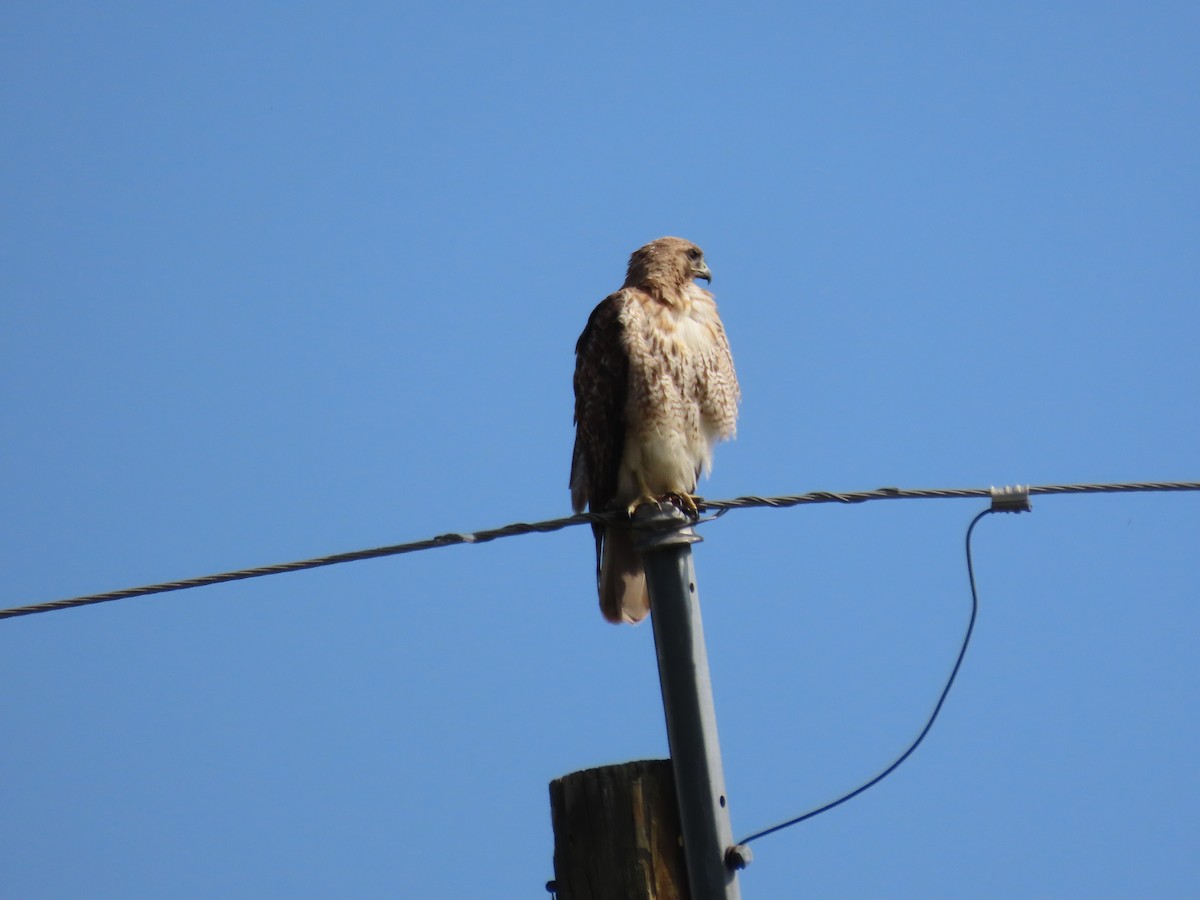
(694, 254)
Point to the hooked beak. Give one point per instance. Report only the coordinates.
(704, 272)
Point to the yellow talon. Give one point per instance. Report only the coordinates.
(644, 496)
(640, 501)
(686, 502)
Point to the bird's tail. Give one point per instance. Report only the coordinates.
(623, 594)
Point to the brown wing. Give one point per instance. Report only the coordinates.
(601, 384)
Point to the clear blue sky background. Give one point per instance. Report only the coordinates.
(281, 280)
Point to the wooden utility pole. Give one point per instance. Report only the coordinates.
(616, 834)
(620, 846)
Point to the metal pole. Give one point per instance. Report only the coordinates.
(688, 703)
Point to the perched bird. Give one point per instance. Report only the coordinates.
(655, 389)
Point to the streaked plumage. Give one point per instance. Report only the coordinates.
(655, 389)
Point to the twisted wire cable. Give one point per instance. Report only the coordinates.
(549, 525)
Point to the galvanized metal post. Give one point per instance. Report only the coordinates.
(687, 701)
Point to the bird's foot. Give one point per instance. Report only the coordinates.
(641, 501)
(686, 502)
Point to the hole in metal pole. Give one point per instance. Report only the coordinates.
(691, 587)
(722, 801)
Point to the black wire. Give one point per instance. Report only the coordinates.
(924, 731)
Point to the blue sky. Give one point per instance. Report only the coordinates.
(287, 279)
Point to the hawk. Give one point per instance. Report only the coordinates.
(655, 389)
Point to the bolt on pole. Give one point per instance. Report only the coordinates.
(688, 703)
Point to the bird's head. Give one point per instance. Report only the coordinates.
(668, 262)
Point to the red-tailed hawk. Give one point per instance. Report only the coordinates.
(655, 389)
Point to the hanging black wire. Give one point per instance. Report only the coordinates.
(928, 725)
